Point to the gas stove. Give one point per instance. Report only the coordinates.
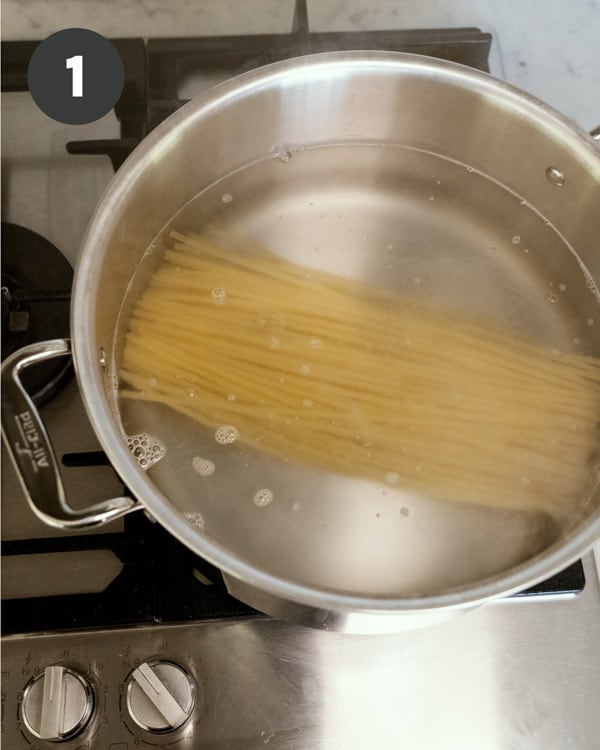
(120, 636)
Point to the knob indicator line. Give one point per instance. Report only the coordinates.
(158, 693)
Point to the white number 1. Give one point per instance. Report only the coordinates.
(75, 63)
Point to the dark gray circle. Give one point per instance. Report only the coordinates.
(75, 76)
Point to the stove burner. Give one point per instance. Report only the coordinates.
(36, 294)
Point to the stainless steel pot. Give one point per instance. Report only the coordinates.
(468, 186)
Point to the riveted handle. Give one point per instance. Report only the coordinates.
(31, 450)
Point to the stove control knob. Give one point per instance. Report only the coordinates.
(57, 704)
(160, 696)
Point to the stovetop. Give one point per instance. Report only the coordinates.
(99, 605)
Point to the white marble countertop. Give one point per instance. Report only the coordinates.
(549, 48)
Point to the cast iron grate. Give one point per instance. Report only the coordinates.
(155, 68)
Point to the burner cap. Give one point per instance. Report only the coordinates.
(36, 295)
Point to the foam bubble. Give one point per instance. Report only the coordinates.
(146, 449)
(226, 434)
(392, 477)
(195, 519)
(591, 285)
(227, 197)
(218, 295)
(263, 497)
(204, 466)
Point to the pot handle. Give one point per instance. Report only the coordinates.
(31, 451)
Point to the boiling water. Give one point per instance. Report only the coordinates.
(406, 222)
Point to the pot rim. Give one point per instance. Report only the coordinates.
(91, 378)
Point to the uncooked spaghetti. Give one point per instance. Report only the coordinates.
(325, 371)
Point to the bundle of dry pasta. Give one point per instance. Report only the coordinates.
(328, 372)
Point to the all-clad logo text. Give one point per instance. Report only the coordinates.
(32, 446)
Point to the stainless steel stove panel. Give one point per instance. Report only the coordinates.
(498, 677)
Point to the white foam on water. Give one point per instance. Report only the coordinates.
(263, 497)
(204, 466)
(146, 449)
(226, 434)
(195, 519)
